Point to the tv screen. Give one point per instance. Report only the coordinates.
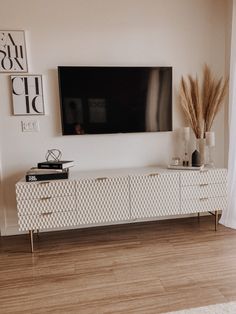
(100, 100)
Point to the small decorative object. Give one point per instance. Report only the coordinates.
(200, 104)
(196, 159)
(13, 51)
(210, 143)
(53, 155)
(186, 132)
(175, 161)
(27, 95)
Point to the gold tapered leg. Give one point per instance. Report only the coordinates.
(198, 217)
(216, 219)
(31, 233)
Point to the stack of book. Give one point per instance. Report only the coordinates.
(49, 170)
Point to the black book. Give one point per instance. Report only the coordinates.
(45, 176)
(61, 164)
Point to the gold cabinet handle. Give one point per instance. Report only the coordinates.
(203, 184)
(45, 198)
(203, 198)
(101, 179)
(46, 214)
(44, 183)
(153, 174)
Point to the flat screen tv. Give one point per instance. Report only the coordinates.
(101, 100)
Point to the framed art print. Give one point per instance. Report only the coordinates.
(27, 94)
(13, 56)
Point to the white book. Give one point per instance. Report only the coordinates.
(43, 171)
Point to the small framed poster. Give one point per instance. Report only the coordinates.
(27, 94)
(13, 52)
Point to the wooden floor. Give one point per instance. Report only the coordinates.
(140, 268)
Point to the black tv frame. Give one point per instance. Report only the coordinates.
(61, 95)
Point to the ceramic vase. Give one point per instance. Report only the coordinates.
(201, 147)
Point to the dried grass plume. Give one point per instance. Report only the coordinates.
(200, 105)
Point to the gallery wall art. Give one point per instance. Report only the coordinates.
(13, 56)
(27, 94)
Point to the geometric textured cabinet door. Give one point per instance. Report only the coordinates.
(203, 191)
(154, 194)
(48, 220)
(103, 199)
(206, 204)
(46, 204)
(43, 189)
(194, 178)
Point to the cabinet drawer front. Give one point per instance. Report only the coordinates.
(203, 190)
(203, 205)
(48, 220)
(46, 204)
(154, 195)
(36, 190)
(103, 200)
(203, 177)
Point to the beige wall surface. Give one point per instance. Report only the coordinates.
(182, 33)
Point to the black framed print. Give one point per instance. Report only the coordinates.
(27, 94)
(13, 57)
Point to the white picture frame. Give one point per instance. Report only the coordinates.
(13, 56)
(27, 94)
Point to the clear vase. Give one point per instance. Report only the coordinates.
(210, 144)
(201, 147)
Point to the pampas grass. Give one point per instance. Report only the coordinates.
(200, 105)
(191, 104)
(214, 92)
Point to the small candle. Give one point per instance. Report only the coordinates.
(210, 139)
(186, 134)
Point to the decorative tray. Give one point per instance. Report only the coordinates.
(185, 167)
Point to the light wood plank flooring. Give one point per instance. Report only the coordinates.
(137, 268)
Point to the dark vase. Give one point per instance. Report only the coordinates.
(196, 159)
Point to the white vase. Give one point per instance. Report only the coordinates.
(201, 147)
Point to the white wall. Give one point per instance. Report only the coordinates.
(182, 33)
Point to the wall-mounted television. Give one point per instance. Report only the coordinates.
(115, 99)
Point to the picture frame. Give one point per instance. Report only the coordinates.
(27, 94)
(13, 55)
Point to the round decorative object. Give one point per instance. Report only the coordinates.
(53, 155)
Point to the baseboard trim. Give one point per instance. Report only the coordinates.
(11, 230)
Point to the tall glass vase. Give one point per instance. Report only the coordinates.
(201, 147)
(210, 144)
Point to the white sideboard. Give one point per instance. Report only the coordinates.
(118, 196)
